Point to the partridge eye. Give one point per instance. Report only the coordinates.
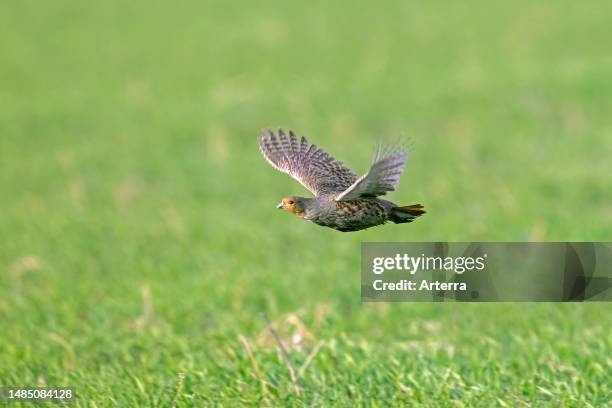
(290, 202)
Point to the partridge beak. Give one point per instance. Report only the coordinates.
(280, 206)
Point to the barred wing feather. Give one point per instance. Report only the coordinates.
(314, 168)
(382, 177)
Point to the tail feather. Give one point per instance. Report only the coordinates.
(408, 213)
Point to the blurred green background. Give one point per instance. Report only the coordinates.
(139, 240)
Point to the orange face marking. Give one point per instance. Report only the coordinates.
(290, 205)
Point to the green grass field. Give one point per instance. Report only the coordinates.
(139, 240)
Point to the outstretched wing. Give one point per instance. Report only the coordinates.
(382, 177)
(312, 167)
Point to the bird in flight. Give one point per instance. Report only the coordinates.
(342, 200)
